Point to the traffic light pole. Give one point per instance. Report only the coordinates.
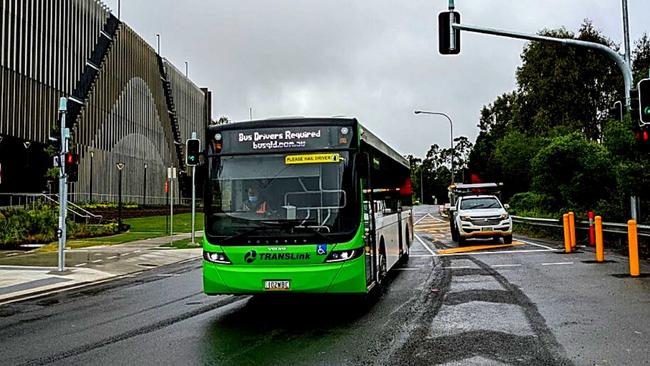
(620, 62)
(63, 185)
(623, 66)
(193, 202)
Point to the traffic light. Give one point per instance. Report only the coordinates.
(634, 106)
(72, 166)
(642, 137)
(644, 100)
(448, 37)
(193, 148)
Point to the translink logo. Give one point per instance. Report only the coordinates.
(250, 256)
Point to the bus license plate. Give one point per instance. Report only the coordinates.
(276, 285)
(486, 229)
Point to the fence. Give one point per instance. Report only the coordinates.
(608, 227)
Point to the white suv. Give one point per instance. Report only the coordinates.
(480, 216)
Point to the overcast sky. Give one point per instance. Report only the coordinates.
(376, 60)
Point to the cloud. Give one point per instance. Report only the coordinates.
(376, 60)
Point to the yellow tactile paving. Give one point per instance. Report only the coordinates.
(476, 248)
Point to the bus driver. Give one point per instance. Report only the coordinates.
(254, 203)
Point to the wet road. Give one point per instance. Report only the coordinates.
(523, 305)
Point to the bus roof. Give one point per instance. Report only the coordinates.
(374, 141)
(366, 136)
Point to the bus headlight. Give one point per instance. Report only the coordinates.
(220, 258)
(343, 255)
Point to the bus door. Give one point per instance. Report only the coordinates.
(370, 241)
(399, 227)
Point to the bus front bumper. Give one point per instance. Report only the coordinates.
(345, 277)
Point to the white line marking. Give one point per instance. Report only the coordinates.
(501, 252)
(425, 246)
(137, 251)
(459, 267)
(535, 244)
(113, 257)
(420, 219)
(97, 261)
(556, 264)
(505, 265)
(435, 218)
(12, 254)
(408, 269)
(81, 264)
(422, 255)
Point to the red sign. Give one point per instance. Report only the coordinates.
(166, 186)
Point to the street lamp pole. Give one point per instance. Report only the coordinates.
(451, 139)
(144, 186)
(158, 39)
(119, 166)
(90, 194)
(421, 184)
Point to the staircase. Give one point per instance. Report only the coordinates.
(91, 70)
(171, 110)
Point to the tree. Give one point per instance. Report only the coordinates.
(513, 154)
(574, 172)
(566, 86)
(641, 59)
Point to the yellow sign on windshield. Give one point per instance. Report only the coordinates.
(312, 159)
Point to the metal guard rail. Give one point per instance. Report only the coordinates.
(608, 227)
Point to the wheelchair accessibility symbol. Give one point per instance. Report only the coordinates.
(321, 249)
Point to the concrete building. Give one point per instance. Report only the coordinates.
(126, 103)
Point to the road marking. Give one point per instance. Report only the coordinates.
(422, 255)
(97, 261)
(12, 254)
(535, 244)
(408, 269)
(505, 265)
(556, 264)
(435, 218)
(113, 257)
(424, 245)
(168, 275)
(81, 264)
(459, 267)
(420, 219)
(475, 248)
(137, 251)
(499, 252)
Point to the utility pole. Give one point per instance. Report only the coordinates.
(63, 183)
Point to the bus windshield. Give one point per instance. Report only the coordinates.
(281, 196)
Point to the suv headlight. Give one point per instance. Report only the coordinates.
(504, 216)
(465, 218)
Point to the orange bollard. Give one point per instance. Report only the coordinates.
(572, 229)
(633, 248)
(567, 233)
(600, 250)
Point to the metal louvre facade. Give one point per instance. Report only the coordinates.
(128, 104)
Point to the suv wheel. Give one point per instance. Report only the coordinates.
(507, 239)
(461, 241)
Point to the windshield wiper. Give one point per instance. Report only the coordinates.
(299, 224)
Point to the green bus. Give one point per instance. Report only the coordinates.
(304, 205)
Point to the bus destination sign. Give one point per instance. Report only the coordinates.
(284, 139)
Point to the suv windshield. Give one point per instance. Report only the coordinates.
(479, 203)
(281, 195)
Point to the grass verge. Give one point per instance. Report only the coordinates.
(141, 228)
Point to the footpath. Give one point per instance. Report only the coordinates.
(27, 275)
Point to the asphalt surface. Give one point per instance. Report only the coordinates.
(522, 305)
